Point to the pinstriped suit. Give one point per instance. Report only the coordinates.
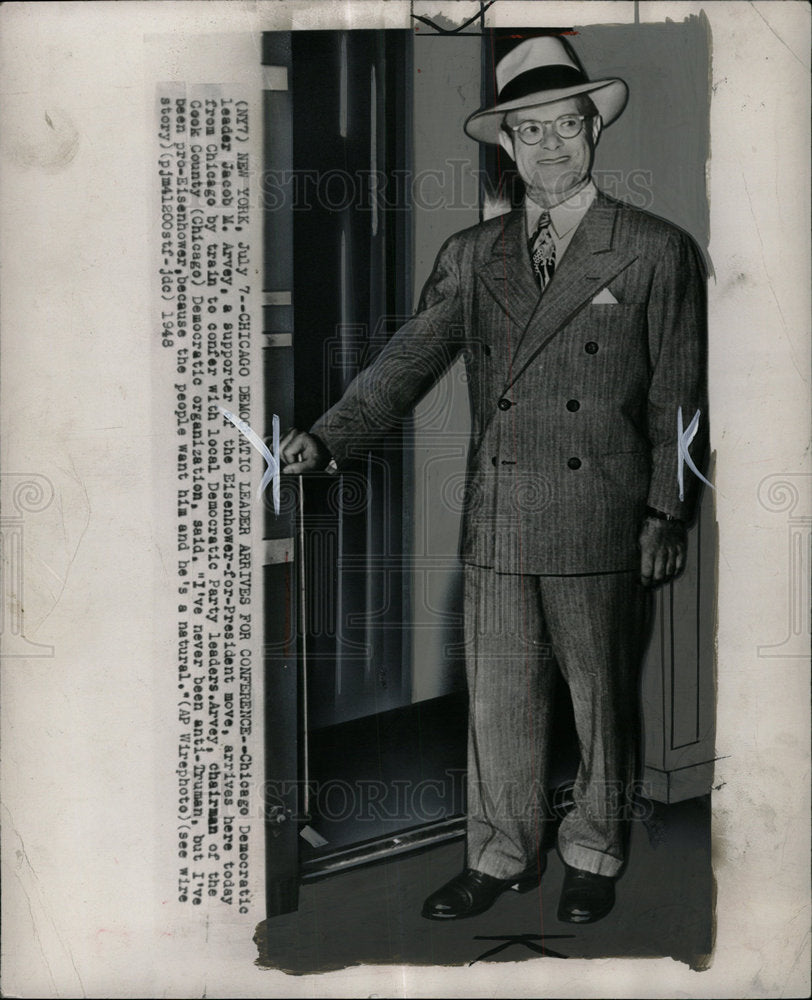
(574, 432)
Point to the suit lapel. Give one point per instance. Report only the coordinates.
(589, 263)
(508, 274)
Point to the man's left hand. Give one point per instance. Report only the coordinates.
(662, 550)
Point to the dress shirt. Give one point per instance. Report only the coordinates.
(564, 217)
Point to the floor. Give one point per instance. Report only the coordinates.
(371, 915)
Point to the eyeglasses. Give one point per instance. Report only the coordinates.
(566, 127)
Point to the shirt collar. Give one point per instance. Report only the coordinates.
(564, 216)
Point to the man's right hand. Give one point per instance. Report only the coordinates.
(303, 452)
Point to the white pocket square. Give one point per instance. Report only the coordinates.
(604, 298)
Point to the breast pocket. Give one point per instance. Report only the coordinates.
(613, 315)
(609, 331)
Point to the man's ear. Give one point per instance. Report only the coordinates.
(506, 143)
(597, 125)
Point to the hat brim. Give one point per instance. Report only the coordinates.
(608, 96)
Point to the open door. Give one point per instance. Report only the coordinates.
(361, 762)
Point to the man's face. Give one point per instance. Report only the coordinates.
(554, 167)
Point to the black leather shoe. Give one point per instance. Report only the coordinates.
(585, 897)
(473, 892)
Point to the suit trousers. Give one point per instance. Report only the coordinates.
(519, 631)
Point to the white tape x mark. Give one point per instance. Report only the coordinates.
(684, 439)
(273, 469)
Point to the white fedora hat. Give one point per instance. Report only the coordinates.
(538, 71)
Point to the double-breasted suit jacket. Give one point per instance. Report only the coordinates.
(574, 393)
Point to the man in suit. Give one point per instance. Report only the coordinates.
(582, 324)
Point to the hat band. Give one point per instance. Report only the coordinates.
(542, 78)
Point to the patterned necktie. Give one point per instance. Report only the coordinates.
(542, 251)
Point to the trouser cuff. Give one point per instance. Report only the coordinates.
(590, 860)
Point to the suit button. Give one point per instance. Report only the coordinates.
(591, 347)
(573, 405)
(504, 404)
(574, 463)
